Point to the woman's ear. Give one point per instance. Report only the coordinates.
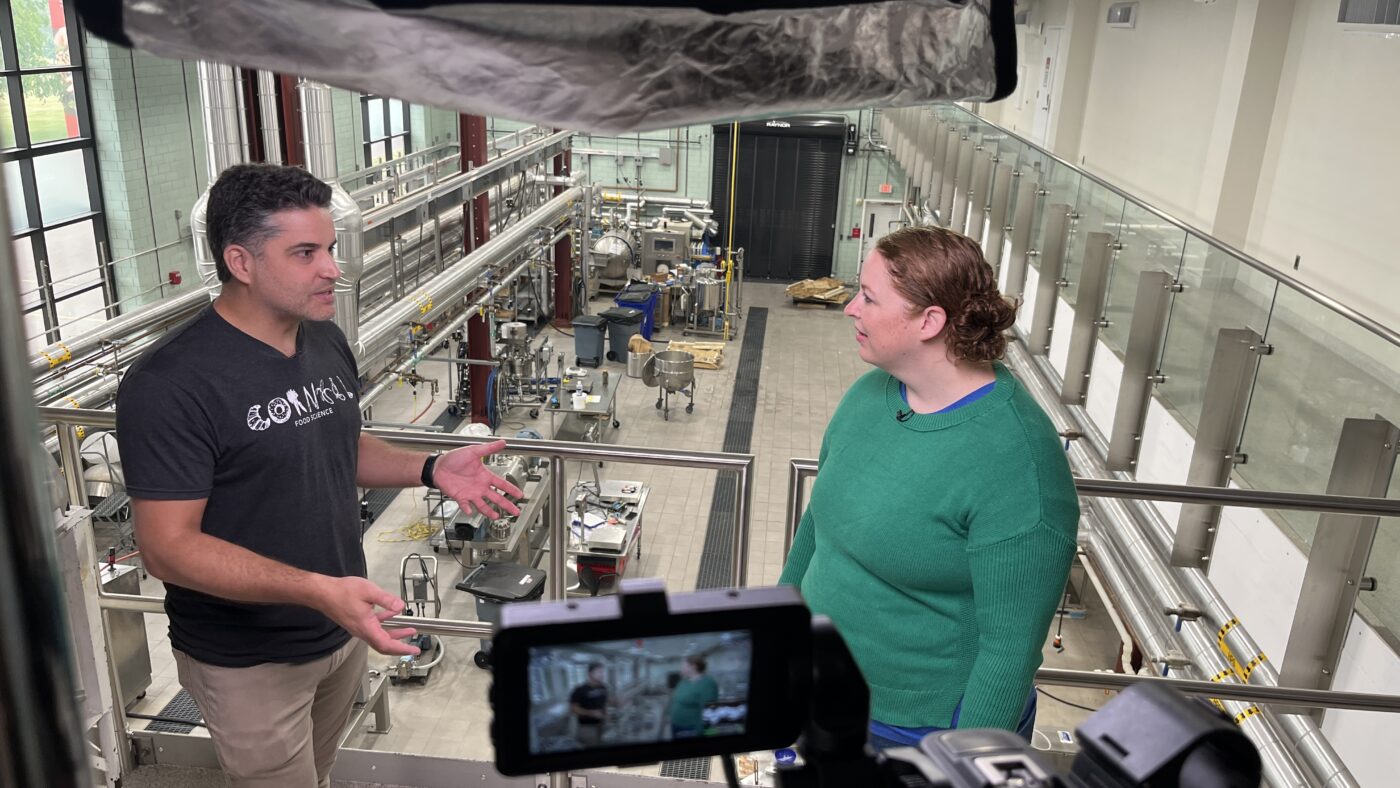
(932, 322)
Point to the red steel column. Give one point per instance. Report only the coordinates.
(477, 229)
(563, 258)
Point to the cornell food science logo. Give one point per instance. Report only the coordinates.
(311, 402)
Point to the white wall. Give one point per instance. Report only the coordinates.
(1152, 100)
(1331, 169)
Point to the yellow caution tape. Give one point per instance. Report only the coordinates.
(424, 302)
(1229, 655)
(57, 358)
(1246, 714)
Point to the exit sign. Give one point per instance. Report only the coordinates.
(886, 188)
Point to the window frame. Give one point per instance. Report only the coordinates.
(24, 154)
(389, 134)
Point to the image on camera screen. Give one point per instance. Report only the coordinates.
(618, 693)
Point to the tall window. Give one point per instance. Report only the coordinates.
(50, 172)
(386, 126)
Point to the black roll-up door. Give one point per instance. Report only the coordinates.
(785, 196)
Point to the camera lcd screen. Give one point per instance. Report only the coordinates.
(623, 693)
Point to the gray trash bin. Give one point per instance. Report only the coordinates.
(588, 339)
(494, 585)
(623, 323)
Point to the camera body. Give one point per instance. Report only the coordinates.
(642, 677)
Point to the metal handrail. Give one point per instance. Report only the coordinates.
(558, 452)
(801, 469)
(1292, 696)
(1351, 313)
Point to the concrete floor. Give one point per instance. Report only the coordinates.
(809, 360)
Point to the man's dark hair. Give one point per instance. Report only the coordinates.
(243, 200)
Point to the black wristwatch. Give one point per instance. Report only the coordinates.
(427, 476)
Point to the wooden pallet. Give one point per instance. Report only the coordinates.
(708, 355)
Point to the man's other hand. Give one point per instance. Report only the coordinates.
(362, 607)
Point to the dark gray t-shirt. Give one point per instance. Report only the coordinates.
(273, 444)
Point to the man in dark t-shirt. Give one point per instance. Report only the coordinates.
(240, 440)
(589, 705)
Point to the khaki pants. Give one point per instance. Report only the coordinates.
(275, 725)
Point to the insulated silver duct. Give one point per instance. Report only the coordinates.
(267, 107)
(703, 225)
(224, 137)
(318, 131)
(226, 144)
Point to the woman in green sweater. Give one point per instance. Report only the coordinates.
(688, 700)
(942, 523)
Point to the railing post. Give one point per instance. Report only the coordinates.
(70, 455)
(1150, 311)
(1052, 266)
(558, 528)
(743, 503)
(940, 165)
(996, 214)
(1341, 547)
(1088, 318)
(956, 219)
(1021, 220)
(1217, 440)
(977, 195)
(950, 176)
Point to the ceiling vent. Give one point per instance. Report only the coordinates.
(1122, 15)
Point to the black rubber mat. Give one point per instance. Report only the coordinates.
(376, 501)
(448, 422)
(180, 707)
(738, 437)
(689, 769)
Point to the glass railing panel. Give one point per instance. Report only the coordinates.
(1323, 369)
(1219, 291)
(1145, 243)
(1099, 210)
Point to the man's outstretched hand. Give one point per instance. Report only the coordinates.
(462, 476)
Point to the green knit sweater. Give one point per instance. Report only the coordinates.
(939, 546)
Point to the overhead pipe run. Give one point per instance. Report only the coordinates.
(225, 138)
(437, 296)
(226, 141)
(440, 336)
(60, 355)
